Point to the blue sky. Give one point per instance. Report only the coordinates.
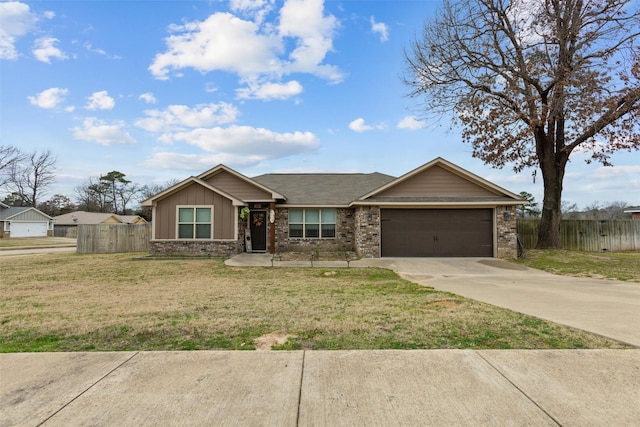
(163, 90)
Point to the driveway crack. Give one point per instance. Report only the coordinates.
(304, 353)
(529, 398)
(88, 388)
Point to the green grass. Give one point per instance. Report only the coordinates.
(608, 265)
(71, 302)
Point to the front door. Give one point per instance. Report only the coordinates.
(258, 224)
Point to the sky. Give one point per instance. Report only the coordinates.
(164, 90)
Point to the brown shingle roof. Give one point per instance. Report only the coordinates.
(323, 189)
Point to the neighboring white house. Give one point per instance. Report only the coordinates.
(24, 222)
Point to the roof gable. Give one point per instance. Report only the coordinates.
(22, 213)
(239, 185)
(437, 179)
(187, 183)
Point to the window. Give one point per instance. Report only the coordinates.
(312, 223)
(195, 222)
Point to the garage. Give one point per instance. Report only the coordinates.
(18, 221)
(29, 229)
(436, 232)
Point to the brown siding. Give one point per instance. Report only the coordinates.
(223, 212)
(436, 181)
(237, 187)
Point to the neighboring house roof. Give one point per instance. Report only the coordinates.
(2, 205)
(323, 189)
(9, 212)
(88, 218)
(632, 209)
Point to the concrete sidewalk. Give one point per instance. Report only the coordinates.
(322, 388)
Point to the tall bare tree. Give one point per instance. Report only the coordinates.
(32, 176)
(10, 157)
(532, 81)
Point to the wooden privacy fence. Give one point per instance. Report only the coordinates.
(111, 238)
(587, 235)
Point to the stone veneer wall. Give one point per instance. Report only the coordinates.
(367, 231)
(194, 247)
(507, 242)
(344, 240)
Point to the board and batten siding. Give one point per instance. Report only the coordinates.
(30, 216)
(436, 181)
(224, 213)
(233, 185)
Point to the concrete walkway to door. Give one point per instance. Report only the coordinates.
(606, 307)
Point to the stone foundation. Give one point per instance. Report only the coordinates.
(195, 247)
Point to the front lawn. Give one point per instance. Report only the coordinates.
(601, 265)
(72, 302)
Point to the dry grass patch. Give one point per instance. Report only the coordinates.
(69, 302)
(600, 265)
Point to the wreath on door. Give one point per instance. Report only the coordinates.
(258, 220)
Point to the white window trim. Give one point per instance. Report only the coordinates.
(304, 223)
(178, 207)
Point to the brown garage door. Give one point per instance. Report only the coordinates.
(436, 232)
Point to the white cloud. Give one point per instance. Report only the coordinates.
(178, 117)
(100, 101)
(198, 162)
(304, 20)
(49, 98)
(249, 141)
(358, 125)
(148, 98)
(617, 171)
(244, 5)
(380, 28)
(44, 49)
(410, 123)
(269, 91)
(221, 42)
(16, 20)
(94, 130)
(235, 146)
(255, 51)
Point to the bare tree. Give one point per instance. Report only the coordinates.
(530, 82)
(32, 177)
(59, 204)
(10, 157)
(93, 196)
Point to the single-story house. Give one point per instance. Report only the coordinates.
(435, 210)
(24, 222)
(634, 211)
(66, 225)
